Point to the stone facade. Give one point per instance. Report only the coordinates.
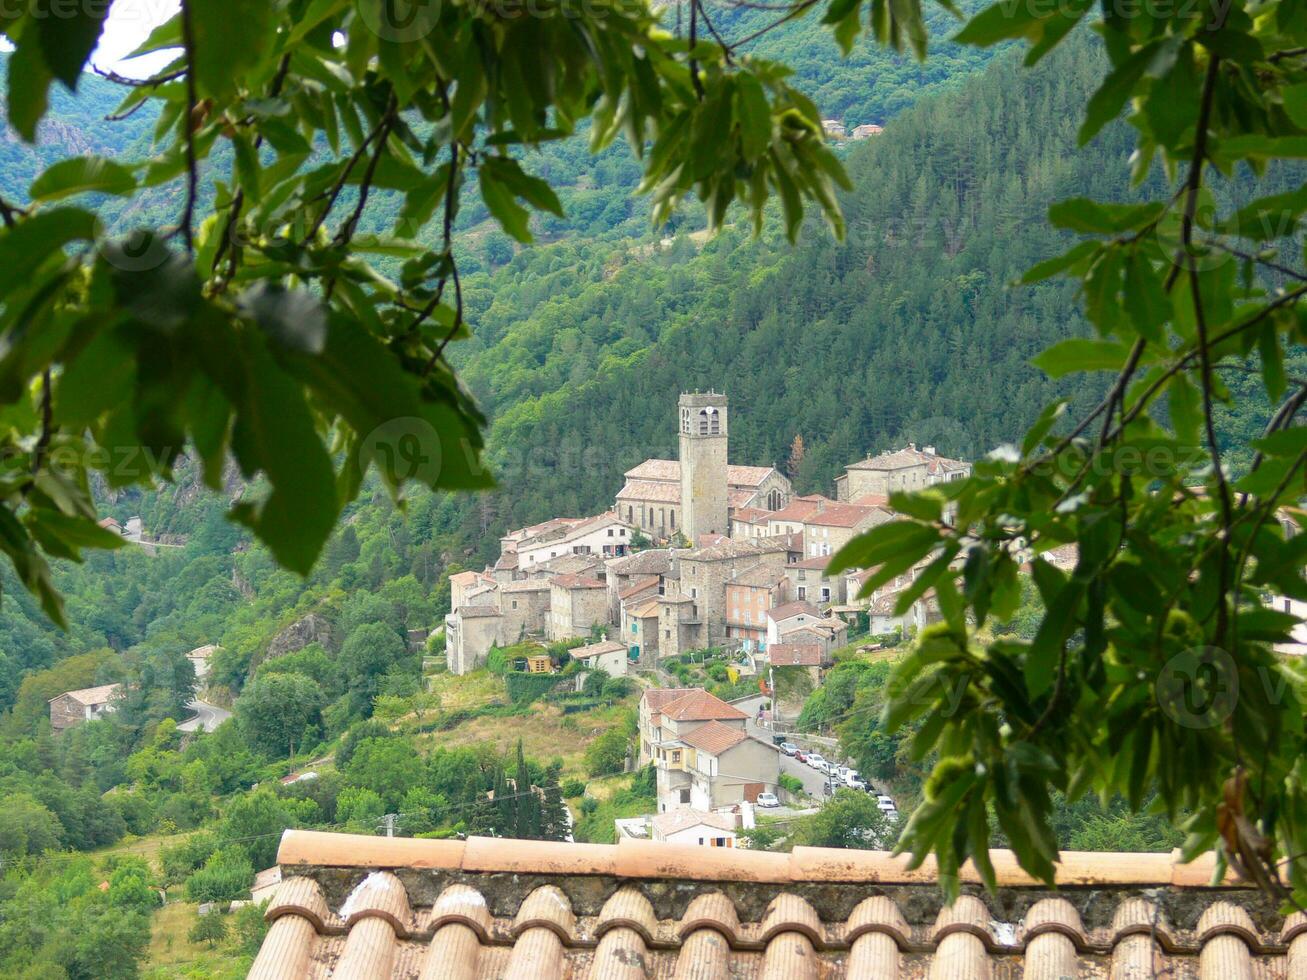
(525, 608)
(705, 572)
(703, 441)
(469, 635)
(75, 707)
(576, 604)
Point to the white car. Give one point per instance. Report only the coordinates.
(853, 780)
(817, 762)
(885, 804)
(768, 800)
(841, 773)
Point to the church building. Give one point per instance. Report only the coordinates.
(699, 493)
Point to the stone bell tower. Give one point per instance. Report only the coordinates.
(703, 464)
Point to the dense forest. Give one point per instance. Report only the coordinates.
(908, 330)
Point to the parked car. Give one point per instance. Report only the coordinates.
(853, 780)
(768, 800)
(789, 748)
(800, 755)
(885, 804)
(841, 773)
(816, 761)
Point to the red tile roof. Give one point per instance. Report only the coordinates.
(790, 609)
(669, 470)
(91, 695)
(363, 906)
(795, 655)
(696, 704)
(714, 738)
(656, 697)
(642, 584)
(654, 490)
(846, 515)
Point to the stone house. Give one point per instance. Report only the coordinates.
(788, 617)
(748, 597)
(812, 657)
(830, 633)
(726, 766)
(864, 130)
(640, 630)
(87, 704)
(791, 518)
(470, 632)
(808, 581)
(908, 468)
(621, 573)
(750, 522)
(576, 603)
(606, 655)
(833, 526)
(679, 625)
(465, 586)
(524, 606)
(705, 572)
(667, 716)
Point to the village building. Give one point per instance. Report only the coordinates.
(788, 617)
(726, 766)
(524, 606)
(748, 597)
(833, 128)
(791, 518)
(831, 527)
(603, 535)
(750, 522)
(622, 573)
(699, 492)
(694, 827)
(705, 573)
(470, 632)
(808, 580)
(606, 655)
(811, 657)
(864, 130)
(576, 604)
(640, 631)
(666, 717)
(908, 468)
(463, 586)
(389, 908)
(87, 704)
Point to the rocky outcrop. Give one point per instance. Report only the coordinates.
(312, 627)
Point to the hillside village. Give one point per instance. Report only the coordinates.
(696, 553)
(699, 554)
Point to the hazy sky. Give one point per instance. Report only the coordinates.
(130, 23)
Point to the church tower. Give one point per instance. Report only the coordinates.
(703, 465)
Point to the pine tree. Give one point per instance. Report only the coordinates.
(527, 805)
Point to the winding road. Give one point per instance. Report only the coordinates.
(207, 717)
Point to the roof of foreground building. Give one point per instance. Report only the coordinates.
(356, 906)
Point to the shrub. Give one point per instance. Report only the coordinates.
(209, 929)
(226, 875)
(589, 805)
(606, 754)
(791, 784)
(572, 788)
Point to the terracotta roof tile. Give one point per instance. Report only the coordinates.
(669, 470)
(847, 515)
(92, 695)
(354, 906)
(795, 654)
(698, 705)
(651, 490)
(788, 610)
(577, 582)
(714, 738)
(642, 584)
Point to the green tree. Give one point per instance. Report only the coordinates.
(368, 653)
(278, 711)
(210, 929)
(256, 820)
(850, 818)
(607, 753)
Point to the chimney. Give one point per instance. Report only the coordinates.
(928, 450)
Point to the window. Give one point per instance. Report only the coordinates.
(703, 422)
(673, 518)
(685, 796)
(803, 592)
(514, 603)
(610, 532)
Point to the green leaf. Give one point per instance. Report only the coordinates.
(890, 540)
(29, 88)
(1107, 102)
(502, 205)
(1146, 302)
(31, 242)
(1096, 218)
(533, 190)
(1061, 263)
(78, 175)
(754, 114)
(1081, 354)
(231, 39)
(68, 33)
